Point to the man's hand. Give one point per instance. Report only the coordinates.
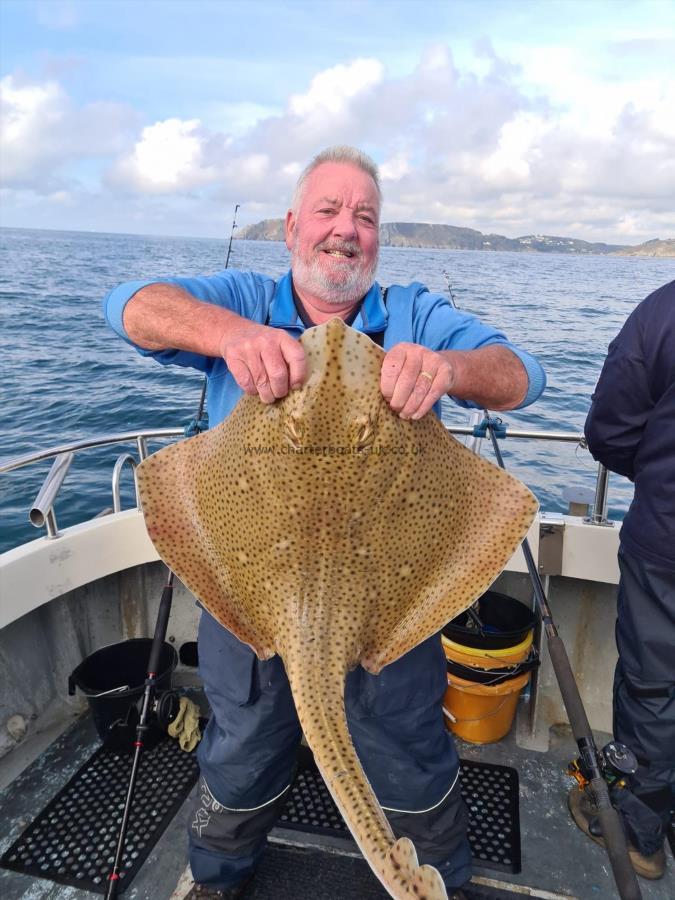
(263, 361)
(414, 378)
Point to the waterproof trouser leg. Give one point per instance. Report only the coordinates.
(247, 756)
(644, 691)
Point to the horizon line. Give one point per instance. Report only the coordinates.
(267, 241)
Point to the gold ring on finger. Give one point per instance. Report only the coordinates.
(427, 375)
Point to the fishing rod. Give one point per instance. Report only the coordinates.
(593, 765)
(234, 225)
(142, 727)
(167, 712)
(449, 285)
(195, 426)
(201, 422)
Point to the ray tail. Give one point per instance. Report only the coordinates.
(318, 690)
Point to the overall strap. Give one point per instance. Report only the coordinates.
(378, 336)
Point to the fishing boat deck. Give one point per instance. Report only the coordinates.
(103, 583)
(558, 861)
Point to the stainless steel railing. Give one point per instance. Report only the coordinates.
(116, 476)
(125, 437)
(42, 511)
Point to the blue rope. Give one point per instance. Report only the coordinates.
(498, 427)
(196, 426)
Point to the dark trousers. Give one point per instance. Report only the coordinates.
(248, 752)
(644, 691)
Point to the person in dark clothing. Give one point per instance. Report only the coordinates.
(630, 429)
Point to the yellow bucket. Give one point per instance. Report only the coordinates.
(482, 713)
(483, 658)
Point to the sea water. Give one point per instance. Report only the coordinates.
(67, 376)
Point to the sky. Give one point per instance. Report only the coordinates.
(513, 117)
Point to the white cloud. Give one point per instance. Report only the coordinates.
(518, 146)
(25, 113)
(63, 198)
(332, 90)
(292, 170)
(394, 168)
(547, 146)
(42, 131)
(253, 167)
(170, 157)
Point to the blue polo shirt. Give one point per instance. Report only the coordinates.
(411, 314)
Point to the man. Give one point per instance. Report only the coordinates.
(630, 429)
(241, 329)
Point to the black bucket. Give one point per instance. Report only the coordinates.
(494, 676)
(505, 623)
(113, 680)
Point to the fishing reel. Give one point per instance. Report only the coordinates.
(616, 762)
(165, 708)
(121, 732)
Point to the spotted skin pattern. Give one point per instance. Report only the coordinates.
(328, 530)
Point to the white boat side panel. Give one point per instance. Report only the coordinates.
(517, 562)
(589, 551)
(41, 570)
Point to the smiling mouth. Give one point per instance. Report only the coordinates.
(341, 251)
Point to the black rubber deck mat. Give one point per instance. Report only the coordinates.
(298, 873)
(490, 793)
(73, 839)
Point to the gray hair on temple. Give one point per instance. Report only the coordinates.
(341, 153)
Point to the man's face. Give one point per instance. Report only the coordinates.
(333, 236)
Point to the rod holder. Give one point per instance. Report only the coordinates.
(599, 516)
(41, 512)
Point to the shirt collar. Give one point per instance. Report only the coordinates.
(371, 317)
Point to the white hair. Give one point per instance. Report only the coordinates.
(341, 153)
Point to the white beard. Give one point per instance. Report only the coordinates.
(337, 283)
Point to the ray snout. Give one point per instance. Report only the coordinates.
(341, 356)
